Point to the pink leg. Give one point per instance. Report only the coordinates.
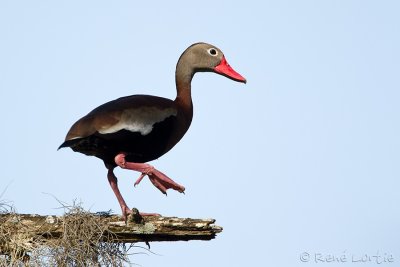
(159, 179)
(112, 179)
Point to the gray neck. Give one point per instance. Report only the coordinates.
(183, 78)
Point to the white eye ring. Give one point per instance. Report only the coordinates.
(213, 52)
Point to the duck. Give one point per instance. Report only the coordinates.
(131, 131)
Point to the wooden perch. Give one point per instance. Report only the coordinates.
(82, 238)
(137, 229)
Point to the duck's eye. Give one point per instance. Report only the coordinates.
(213, 52)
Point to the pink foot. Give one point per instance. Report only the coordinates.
(159, 179)
(137, 217)
(126, 212)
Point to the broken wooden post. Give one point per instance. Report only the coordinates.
(82, 238)
(149, 229)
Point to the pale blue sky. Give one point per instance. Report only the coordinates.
(303, 158)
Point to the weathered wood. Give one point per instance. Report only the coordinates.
(151, 228)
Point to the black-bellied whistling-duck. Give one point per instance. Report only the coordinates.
(132, 130)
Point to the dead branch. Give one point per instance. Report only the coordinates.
(82, 238)
(151, 228)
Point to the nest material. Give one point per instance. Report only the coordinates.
(85, 241)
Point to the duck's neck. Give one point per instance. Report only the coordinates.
(183, 80)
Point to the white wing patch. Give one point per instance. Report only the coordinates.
(139, 120)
